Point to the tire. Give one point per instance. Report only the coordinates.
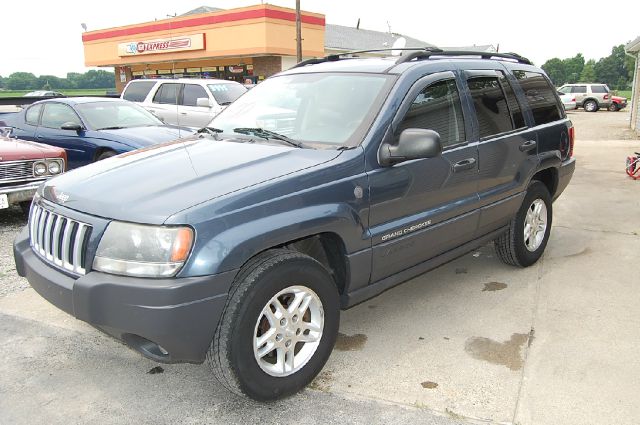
(590, 106)
(105, 155)
(233, 355)
(512, 247)
(26, 207)
(613, 107)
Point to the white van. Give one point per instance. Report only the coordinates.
(187, 102)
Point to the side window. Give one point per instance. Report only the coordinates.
(599, 89)
(167, 93)
(565, 90)
(56, 114)
(490, 105)
(437, 108)
(191, 94)
(512, 101)
(33, 113)
(579, 89)
(138, 91)
(541, 97)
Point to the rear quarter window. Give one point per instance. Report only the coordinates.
(599, 89)
(138, 91)
(540, 96)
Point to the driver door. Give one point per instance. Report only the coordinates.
(425, 207)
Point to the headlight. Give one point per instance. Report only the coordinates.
(54, 167)
(40, 168)
(142, 250)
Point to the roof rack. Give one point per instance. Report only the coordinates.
(418, 53)
(426, 54)
(339, 56)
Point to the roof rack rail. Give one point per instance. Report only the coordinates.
(339, 56)
(426, 54)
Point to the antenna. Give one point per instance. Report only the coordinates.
(358, 24)
(389, 26)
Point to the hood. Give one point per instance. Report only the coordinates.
(149, 185)
(140, 137)
(17, 150)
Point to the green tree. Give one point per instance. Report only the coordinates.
(22, 81)
(556, 70)
(573, 68)
(612, 70)
(588, 75)
(1, 82)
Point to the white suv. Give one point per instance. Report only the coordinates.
(186, 101)
(589, 96)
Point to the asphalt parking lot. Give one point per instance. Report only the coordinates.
(474, 341)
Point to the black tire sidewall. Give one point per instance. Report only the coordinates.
(536, 190)
(297, 271)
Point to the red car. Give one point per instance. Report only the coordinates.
(23, 166)
(617, 103)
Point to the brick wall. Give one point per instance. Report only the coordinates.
(267, 65)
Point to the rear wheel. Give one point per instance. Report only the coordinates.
(613, 107)
(278, 328)
(590, 106)
(525, 240)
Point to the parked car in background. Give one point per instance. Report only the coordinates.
(189, 102)
(568, 101)
(43, 93)
(23, 166)
(617, 103)
(589, 96)
(90, 128)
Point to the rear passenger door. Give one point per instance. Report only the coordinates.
(580, 92)
(425, 207)
(507, 147)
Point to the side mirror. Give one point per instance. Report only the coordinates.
(71, 126)
(414, 143)
(204, 101)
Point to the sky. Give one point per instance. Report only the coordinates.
(44, 37)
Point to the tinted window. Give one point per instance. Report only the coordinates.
(540, 96)
(167, 93)
(32, 114)
(579, 89)
(104, 115)
(226, 93)
(512, 102)
(437, 108)
(191, 93)
(599, 89)
(491, 106)
(138, 91)
(56, 114)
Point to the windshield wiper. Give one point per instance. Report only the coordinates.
(210, 130)
(268, 134)
(115, 127)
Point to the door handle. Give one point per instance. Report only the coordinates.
(528, 145)
(465, 164)
(183, 113)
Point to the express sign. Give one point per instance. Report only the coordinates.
(165, 45)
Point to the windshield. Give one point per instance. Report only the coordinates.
(225, 93)
(104, 115)
(325, 108)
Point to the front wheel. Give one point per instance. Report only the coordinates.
(525, 240)
(278, 328)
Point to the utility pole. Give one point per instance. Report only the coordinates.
(298, 32)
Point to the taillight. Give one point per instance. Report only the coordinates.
(606, 96)
(573, 100)
(572, 137)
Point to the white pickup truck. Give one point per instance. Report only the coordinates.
(187, 101)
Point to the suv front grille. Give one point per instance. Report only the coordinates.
(16, 170)
(59, 240)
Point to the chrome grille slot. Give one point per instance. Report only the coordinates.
(58, 240)
(15, 170)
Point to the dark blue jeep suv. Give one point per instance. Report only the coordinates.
(320, 188)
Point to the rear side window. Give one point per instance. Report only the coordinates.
(138, 91)
(512, 102)
(540, 95)
(599, 89)
(437, 108)
(33, 113)
(167, 93)
(191, 94)
(579, 89)
(490, 105)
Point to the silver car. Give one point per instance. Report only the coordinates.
(589, 96)
(568, 101)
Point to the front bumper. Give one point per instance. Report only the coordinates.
(565, 172)
(167, 320)
(21, 193)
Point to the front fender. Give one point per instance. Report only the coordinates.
(231, 248)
